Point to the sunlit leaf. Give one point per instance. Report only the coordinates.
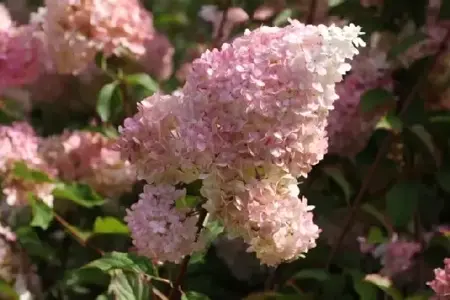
(143, 80)
(21, 170)
(125, 261)
(42, 213)
(129, 286)
(110, 225)
(191, 295)
(80, 194)
(187, 201)
(385, 284)
(109, 101)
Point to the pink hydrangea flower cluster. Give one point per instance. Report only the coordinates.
(87, 157)
(349, 128)
(19, 143)
(396, 256)
(441, 282)
(249, 120)
(77, 30)
(20, 53)
(165, 232)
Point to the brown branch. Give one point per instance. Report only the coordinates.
(220, 33)
(75, 234)
(382, 151)
(311, 12)
(175, 292)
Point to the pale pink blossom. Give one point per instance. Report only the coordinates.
(87, 157)
(19, 143)
(20, 54)
(265, 97)
(5, 18)
(77, 30)
(266, 213)
(441, 282)
(349, 128)
(160, 230)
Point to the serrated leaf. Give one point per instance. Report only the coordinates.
(109, 101)
(187, 201)
(443, 179)
(402, 201)
(42, 213)
(143, 80)
(282, 17)
(80, 194)
(376, 236)
(385, 284)
(124, 261)
(374, 98)
(110, 225)
(129, 286)
(339, 178)
(316, 274)
(406, 43)
(191, 295)
(21, 170)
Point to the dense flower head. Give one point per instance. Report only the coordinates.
(265, 97)
(20, 54)
(266, 212)
(78, 29)
(160, 230)
(88, 157)
(396, 255)
(441, 282)
(250, 118)
(19, 143)
(349, 128)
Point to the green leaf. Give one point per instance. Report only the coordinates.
(375, 98)
(385, 284)
(129, 286)
(124, 261)
(21, 170)
(316, 274)
(33, 245)
(402, 201)
(443, 179)
(110, 225)
(339, 178)
(372, 210)
(42, 213)
(426, 140)
(191, 295)
(144, 80)
(81, 194)
(187, 201)
(365, 290)
(109, 101)
(7, 291)
(376, 236)
(282, 17)
(406, 43)
(390, 122)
